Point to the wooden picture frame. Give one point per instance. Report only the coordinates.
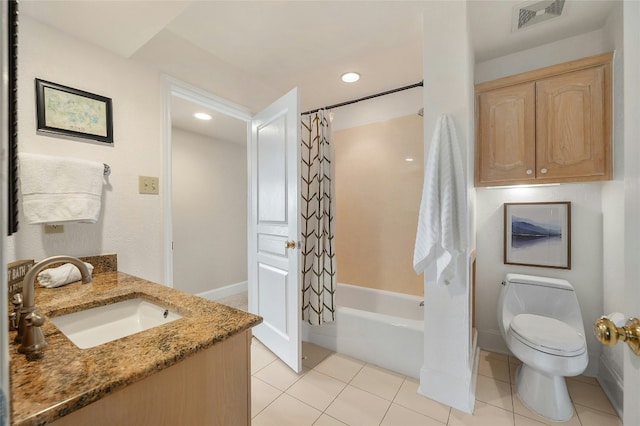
(66, 112)
(538, 234)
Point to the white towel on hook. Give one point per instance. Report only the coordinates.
(442, 231)
(59, 189)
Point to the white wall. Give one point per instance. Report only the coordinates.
(209, 212)
(448, 371)
(130, 224)
(610, 368)
(4, 146)
(586, 273)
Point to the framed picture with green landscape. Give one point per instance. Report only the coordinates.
(66, 112)
(538, 234)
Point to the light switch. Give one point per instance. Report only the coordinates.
(148, 185)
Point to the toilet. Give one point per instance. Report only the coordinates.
(540, 320)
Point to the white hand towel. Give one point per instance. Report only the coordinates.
(57, 189)
(442, 232)
(65, 274)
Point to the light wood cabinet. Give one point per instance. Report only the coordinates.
(546, 126)
(212, 387)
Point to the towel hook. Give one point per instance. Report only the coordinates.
(107, 169)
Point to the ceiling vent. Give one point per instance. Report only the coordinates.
(533, 12)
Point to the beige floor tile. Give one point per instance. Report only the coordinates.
(520, 409)
(526, 421)
(592, 417)
(590, 396)
(409, 397)
(494, 392)
(400, 416)
(483, 415)
(378, 381)
(584, 379)
(513, 371)
(260, 356)
(357, 407)
(326, 420)
(286, 411)
(316, 389)
(262, 394)
(313, 354)
(341, 367)
(279, 375)
(494, 355)
(496, 368)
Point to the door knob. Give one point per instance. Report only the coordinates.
(608, 333)
(290, 244)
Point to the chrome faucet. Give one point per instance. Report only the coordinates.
(30, 335)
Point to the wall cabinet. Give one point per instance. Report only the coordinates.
(546, 126)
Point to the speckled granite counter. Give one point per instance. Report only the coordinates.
(64, 378)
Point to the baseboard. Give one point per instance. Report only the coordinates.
(226, 291)
(611, 384)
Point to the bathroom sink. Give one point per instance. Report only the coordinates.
(95, 326)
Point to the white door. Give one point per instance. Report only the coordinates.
(274, 291)
(632, 202)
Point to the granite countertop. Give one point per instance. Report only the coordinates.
(63, 378)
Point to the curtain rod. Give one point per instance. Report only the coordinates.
(388, 92)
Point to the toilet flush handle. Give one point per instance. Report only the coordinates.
(608, 333)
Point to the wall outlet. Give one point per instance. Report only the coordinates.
(53, 229)
(148, 185)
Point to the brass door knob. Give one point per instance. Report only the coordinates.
(290, 244)
(609, 334)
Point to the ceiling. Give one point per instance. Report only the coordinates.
(277, 45)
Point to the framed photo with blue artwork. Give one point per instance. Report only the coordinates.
(538, 234)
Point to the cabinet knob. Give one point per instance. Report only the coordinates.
(529, 171)
(290, 244)
(543, 170)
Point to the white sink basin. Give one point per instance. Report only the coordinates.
(95, 326)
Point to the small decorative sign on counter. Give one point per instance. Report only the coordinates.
(15, 274)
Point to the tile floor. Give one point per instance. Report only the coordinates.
(334, 389)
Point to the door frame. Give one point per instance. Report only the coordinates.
(172, 86)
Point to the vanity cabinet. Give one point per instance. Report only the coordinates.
(212, 387)
(550, 125)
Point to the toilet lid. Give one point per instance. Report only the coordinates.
(548, 335)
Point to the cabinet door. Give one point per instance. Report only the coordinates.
(573, 141)
(506, 135)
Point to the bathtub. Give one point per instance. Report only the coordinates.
(376, 326)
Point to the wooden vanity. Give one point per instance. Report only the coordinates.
(194, 370)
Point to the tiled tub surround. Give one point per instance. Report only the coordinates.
(64, 378)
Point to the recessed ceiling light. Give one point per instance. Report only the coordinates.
(350, 77)
(409, 160)
(202, 116)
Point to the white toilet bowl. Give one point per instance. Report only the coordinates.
(540, 320)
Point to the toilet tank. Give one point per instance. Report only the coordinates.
(549, 297)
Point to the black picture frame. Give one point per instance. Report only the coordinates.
(71, 113)
(12, 107)
(538, 234)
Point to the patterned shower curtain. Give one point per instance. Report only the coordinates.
(317, 209)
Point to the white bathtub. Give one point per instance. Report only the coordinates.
(376, 326)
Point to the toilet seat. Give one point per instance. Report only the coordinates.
(548, 335)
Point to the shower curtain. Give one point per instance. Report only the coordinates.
(317, 208)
